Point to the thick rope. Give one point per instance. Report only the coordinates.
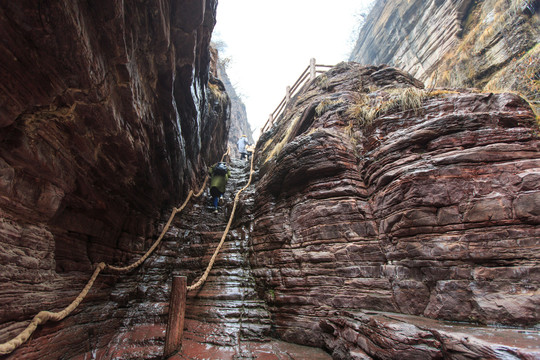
(43, 316)
(216, 252)
(163, 232)
(226, 153)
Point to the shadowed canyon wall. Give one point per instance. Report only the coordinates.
(106, 121)
(375, 195)
(464, 43)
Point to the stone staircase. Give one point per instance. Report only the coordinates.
(226, 309)
(225, 318)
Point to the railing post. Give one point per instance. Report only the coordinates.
(271, 120)
(177, 309)
(312, 71)
(288, 94)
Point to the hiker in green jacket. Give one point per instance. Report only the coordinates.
(220, 175)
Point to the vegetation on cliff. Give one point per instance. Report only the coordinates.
(499, 50)
(487, 44)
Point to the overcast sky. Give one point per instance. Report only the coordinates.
(270, 44)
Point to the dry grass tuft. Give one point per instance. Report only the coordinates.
(362, 113)
(349, 129)
(412, 99)
(326, 105)
(365, 109)
(312, 131)
(323, 82)
(216, 91)
(402, 99)
(284, 140)
(440, 93)
(362, 110)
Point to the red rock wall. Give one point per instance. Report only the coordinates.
(432, 211)
(105, 122)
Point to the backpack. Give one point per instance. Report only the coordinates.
(220, 169)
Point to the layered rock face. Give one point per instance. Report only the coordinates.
(106, 120)
(456, 43)
(239, 121)
(412, 36)
(377, 196)
(224, 319)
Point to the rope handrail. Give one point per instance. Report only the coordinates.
(203, 278)
(310, 72)
(43, 316)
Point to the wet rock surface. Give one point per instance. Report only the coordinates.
(106, 120)
(398, 336)
(249, 350)
(226, 309)
(429, 210)
(225, 318)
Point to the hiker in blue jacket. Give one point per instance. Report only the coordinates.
(242, 143)
(220, 174)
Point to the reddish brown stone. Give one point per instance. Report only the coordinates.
(432, 212)
(269, 350)
(395, 336)
(106, 122)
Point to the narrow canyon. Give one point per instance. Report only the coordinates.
(391, 210)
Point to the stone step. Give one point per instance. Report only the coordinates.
(249, 350)
(226, 308)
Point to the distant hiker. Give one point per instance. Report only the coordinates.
(242, 143)
(220, 175)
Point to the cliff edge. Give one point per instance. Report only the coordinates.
(491, 44)
(383, 208)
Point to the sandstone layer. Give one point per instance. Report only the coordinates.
(225, 318)
(412, 36)
(106, 120)
(457, 43)
(376, 195)
(239, 120)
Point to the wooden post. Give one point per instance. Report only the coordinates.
(271, 120)
(288, 94)
(177, 309)
(312, 72)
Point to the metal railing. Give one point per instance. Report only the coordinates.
(308, 75)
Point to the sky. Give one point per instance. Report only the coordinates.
(270, 43)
